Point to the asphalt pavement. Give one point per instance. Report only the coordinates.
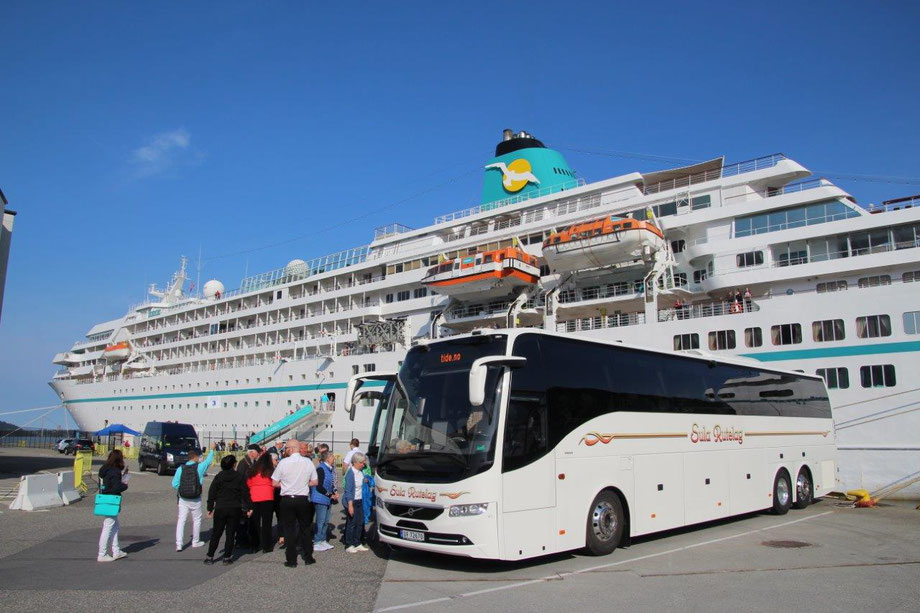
(824, 558)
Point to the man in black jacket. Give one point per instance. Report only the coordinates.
(228, 500)
(248, 531)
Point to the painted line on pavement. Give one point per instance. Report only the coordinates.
(562, 575)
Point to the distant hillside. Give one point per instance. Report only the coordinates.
(7, 426)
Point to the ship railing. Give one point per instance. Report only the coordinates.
(617, 320)
(611, 290)
(708, 309)
(895, 205)
(761, 163)
(497, 204)
(479, 310)
(391, 230)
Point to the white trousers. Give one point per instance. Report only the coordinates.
(186, 507)
(109, 531)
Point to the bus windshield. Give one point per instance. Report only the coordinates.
(432, 432)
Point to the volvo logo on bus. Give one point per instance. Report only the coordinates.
(702, 434)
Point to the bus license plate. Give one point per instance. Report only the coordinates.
(412, 535)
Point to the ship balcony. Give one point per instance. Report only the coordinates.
(600, 322)
(708, 309)
(467, 317)
(591, 301)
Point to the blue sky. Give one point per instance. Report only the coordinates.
(135, 133)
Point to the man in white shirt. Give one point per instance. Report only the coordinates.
(294, 475)
(355, 448)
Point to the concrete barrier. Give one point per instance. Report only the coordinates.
(66, 488)
(37, 492)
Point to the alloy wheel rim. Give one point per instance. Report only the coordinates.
(604, 521)
(803, 487)
(782, 491)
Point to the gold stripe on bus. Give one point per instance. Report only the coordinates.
(822, 433)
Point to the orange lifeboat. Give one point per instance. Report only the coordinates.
(117, 352)
(601, 242)
(489, 274)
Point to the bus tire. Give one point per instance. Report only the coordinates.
(161, 468)
(782, 493)
(804, 489)
(606, 522)
(140, 466)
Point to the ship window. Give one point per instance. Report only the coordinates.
(912, 322)
(403, 295)
(678, 245)
(246, 404)
(722, 339)
(911, 276)
(370, 367)
(680, 279)
(686, 341)
(389, 298)
(290, 402)
(399, 268)
(354, 369)
(831, 286)
(701, 202)
(828, 330)
(793, 258)
(878, 375)
(257, 403)
(872, 326)
(786, 334)
(751, 258)
(420, 292)
(278, 295)
(699, 276)
(875, 281)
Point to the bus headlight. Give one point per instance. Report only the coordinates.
(169, 457)
(465, 510)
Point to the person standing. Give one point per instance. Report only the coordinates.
(352, 500)
(112, 480)
(247, 531)
(188, 483)
(228, 499)
(354, 447)
(323, 497)
(295, 475)
(262, 493)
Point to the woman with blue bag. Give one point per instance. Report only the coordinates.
(113, 480)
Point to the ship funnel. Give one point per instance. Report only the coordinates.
(523, 167)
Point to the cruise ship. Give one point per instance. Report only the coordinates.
(755, 259)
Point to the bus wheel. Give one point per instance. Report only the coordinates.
(782, 493)
(804, 492)
(161, 468)
(140, 466)
(605, 524)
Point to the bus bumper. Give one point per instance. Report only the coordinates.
(472, 536)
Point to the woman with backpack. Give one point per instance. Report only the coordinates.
(112, 481)
(262, 494)
(228, 499)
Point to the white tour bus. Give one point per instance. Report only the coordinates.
(510, 444)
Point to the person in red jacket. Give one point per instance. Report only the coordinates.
(262, 493)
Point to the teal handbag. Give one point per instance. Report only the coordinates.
(107, 505)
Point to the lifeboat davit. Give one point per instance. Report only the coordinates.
(117, 352)
(489, 274)
(602, 242)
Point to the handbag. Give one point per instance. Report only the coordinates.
(107, 505)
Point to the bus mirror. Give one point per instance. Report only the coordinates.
(353, 395)
(480, 369)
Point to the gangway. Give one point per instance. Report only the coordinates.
(288, 423)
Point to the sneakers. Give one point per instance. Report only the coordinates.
(104, 558)
(178, 548)
(119, 555)
(322, 546)
(209, 561)
(228, 561)
(352, 549)
(361, 548)
(197, 543)
(291, 564)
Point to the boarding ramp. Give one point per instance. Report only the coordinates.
(304, 418)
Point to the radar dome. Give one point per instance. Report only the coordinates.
(296, 268)
(213, 289)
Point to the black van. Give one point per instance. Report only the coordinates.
(165, 445)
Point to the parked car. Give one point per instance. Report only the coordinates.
(79, 444)
(165, 445)
(62, 444)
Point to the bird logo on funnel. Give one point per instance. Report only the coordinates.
(516, 175)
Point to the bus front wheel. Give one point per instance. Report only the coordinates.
(804, 492)
(606, 523)
(782, 493)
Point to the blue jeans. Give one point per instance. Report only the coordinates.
(322, 522)
(354, 525)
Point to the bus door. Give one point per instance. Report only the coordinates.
(356, 392)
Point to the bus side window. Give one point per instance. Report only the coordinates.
(525, 432)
